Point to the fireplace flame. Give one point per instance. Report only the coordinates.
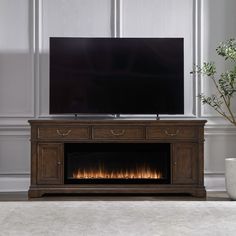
(143, 172)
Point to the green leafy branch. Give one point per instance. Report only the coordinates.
(225, 85)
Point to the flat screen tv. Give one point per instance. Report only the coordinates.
(116, 75)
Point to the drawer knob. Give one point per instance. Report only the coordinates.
(58, 163)
(117, 132)
(172, 134)
(60, 133)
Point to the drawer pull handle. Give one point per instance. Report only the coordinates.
(63, 133)
(172, 134)
(117, 133)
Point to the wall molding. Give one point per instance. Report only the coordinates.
(15, 133)
(13, 127)
(208, 115)
(210, 129)
(118, 19)
(15, 130)
(37, 50)
(215, 182)
(197, 53)
(219, 130)
(14, 183)
(15, 174)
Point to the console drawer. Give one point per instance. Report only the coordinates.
(63, 132)
(118, 132)
(171, 133)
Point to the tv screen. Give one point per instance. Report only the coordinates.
(116, 76)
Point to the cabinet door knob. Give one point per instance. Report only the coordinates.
(58, 163)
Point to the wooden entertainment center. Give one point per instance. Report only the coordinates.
(49, 137)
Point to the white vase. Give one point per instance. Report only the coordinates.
(230, 177)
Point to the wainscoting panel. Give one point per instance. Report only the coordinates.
(218, 24)
(14, 153)
(217, 148)
(71, 18)
(165, 18)
(16, 60)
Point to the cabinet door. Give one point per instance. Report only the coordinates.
(184, 163)
(50, 163)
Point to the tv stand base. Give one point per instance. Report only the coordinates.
(36, 192)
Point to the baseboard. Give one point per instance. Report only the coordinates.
(14, 183)
(213, 182)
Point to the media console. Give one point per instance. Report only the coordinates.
(171, 152)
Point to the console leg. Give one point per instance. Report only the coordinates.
(35, 194)
(201, 193)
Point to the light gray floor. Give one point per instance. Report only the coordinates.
(118, 218)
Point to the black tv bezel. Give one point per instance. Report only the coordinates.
(117, 114)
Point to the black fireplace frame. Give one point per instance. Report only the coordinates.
(121, 149)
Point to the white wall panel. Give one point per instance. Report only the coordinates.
(218, 25)
(16, 65)
(69, 18)
(164, 18)
(217, 148)
(14, 23)
(14, 154)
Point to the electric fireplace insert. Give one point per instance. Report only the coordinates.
(117, 163)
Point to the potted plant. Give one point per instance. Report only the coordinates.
(221, 101)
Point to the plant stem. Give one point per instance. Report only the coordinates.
(231, 113)
(232, 120)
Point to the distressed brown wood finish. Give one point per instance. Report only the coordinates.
(186, 138)
(50, 163)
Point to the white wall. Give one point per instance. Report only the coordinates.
(218, 24)
(26, 25)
